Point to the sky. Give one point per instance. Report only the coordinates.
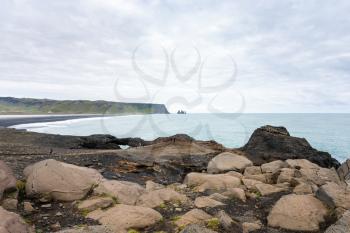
(200, 56)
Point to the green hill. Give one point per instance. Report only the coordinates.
(10, 105)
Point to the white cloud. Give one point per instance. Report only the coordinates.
(292, 56)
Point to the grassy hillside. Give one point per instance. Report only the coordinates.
(10, 105)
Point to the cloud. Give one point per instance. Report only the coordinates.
(291, 56)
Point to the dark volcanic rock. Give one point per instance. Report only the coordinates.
(270, 143)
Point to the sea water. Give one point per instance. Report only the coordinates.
(326, 132)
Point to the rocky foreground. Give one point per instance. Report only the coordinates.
(275, 183)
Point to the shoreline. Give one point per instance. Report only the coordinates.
(12, 120)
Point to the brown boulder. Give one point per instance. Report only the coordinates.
(13, 223)
(7, 179)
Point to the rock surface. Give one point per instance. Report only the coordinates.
(298, 213)
(270, 143)
(334, 195)
(191, 217)
(121, 218)
(155, 198)
(95, 203)
(342, 225)
(228, 162)
(60, 181)
(7, 179)
(202, 202)
(195, 228)
(13, 223)
(87, 229)
(125, 192)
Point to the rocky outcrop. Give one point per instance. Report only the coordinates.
(7, 179)
(344, 171)
(13, 223)
(270, 143)
(334, 195)
(195, 228)
(122, 218)
(125, 192)
(228, 161)
(60, 181)
(297, 213)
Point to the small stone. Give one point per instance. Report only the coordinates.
(56, 226)
(10, 204)
(28, 207)
(59, 214)
(193, 216)
(47, 206)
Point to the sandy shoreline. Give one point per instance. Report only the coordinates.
(7, 120)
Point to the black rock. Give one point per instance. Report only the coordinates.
(270, 143)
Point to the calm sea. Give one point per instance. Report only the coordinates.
(326, 132)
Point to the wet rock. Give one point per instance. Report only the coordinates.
(334, 195)
(121, 218)
(10, 204)
(270, 143)
(342, 225)
(155, 198)
(87, 229)
(303, 212)
(7, 179)
(125, 192)
(191, 217)
(99, 141)
(195, 228)
(228, 161)
(203, 202)
(11, 222)
(218, 183)
(60, 181)
(95, 203)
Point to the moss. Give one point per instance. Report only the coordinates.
(213, 224)
(133, 231)
(20, 185)
(84, 213)
(175, 218)
(162, 206)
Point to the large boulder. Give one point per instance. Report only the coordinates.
(155, 198)
(7, 179)
(191, 217)
(297, 213)
(344, 171)
(125, 192)
(13, 223)
(228, 161)
(60, 181)
(342, 225)
(121, 218)
(270, 143)
(209, 182)
(334, 195)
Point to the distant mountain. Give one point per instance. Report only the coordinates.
(10, 105)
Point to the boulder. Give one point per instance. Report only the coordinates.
(303, 212)
(218, 183)
(60, 181)
(251, 226)
(303, 188)
(195, 228)
(270, 143)
(151, 186)
(237, 193)
(334, 195)
(318, 176)
(125, 192)
(191, 217)
(342, 225)
(273, 167)
(87, 229)
(155, 198)
(121, 218)
(203, 202)
(13, 223)
(251, 184)
(268, 189)
(301, 164)
(225, 220)
(286, 175)
(218, 197)
(344, 171)
(95, 203)
(252, 170)
(7, 179)
(228, 161)
(260, 177)
(10, 204)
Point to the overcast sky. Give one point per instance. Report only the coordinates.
(239, 56)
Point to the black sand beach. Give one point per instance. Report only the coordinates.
(17, 120)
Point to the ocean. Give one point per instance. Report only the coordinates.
(326, 132)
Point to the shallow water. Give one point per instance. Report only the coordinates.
(326, 132)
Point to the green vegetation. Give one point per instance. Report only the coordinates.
(213, 224)
(133, 231)
(10, 105)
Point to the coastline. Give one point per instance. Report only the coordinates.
(12, 120)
